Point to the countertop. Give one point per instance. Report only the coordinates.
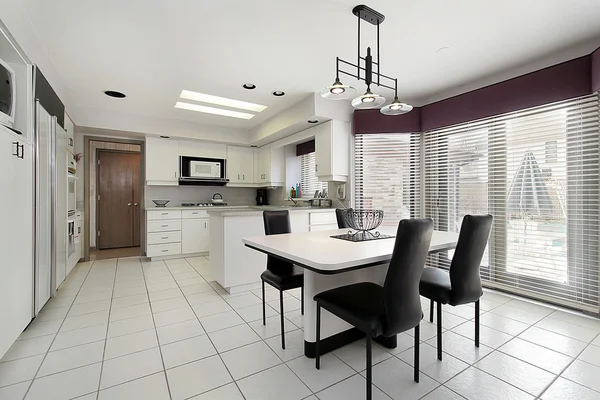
(231, 211)
(258, 210)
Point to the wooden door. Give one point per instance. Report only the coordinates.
(118, 174)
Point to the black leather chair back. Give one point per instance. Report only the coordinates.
(402, 301)
(339, 214)
(466, 263)
(277, 223)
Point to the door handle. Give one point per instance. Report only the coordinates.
(135, 204)
(128, 204)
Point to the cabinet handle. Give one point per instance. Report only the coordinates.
(16, 151)
(19, 151)
(243, 177)
(164, 213)
(238, 177)
(164, 226)
(164, 237)
(205, 225)
(195, 213)
(316, 167)
(165, 250)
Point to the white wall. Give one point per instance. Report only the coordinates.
(199, 194)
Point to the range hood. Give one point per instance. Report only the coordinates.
(203, 181)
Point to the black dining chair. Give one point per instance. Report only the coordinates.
(341, 221)
(389, 309)
(280, 274)
(461, 284)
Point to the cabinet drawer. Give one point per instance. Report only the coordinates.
(314, 228)
(166, 214)
(191, 214)
(169, 249)
(164, 237)
(164, 226)
(323, 218)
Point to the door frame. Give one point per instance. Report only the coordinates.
(97, 216)
(87, 152)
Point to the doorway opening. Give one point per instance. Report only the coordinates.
(115, 199)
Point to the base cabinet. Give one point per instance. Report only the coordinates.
(194, 236)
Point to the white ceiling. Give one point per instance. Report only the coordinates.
(152, 49)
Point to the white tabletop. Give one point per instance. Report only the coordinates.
(318, 252)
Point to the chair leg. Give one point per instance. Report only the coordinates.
(416, 351)
(369, 367)
(439, 331)
(477, 323)
(318, 337)
(302, 299)
(281, 312)
(431, 311)
(263, 301)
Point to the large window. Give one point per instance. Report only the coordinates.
(386, 175)
(537, 172)
(308, 178)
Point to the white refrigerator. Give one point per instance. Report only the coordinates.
(51, 207)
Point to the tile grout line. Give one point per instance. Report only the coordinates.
(107, 327)
(198, 319)
(55, 335)
(567, 367)
(164, 371)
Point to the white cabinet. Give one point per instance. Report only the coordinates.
(322, 221)
(240, 166)
(70, 129)
(193, 148)
(270, 169)
(16, 236)
(162, 162)
(332, 148)
(194, 236)
(299, 222)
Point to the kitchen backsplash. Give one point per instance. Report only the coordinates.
(199, 194)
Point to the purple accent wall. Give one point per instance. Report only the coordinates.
(563, 81)
(596, 70)
(373, 121)
(559, 82)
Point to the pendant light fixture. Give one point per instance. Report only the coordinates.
(364, 72)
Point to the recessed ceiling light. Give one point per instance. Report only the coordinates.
(278, 93)
(249, 86)
(115, 94)
(312, 121)
(212, 110)
(221, 101)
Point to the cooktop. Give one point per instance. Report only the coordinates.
(203, 204)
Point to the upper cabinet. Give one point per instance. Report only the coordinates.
(332, 151)
(162, 162)
(70, 129)
(270, 166)
(202, 149)
(240, 166)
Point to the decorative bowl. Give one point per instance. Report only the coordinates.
(160, 203)
(363, 220)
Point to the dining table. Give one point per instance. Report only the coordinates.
(329, 263)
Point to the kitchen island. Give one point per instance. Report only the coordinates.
(236, 267)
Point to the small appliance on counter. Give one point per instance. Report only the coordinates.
(261, 197)
(217, 199)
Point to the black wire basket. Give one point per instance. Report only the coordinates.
(363, 220)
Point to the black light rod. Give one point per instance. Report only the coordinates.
(363, 79)
(374, 73)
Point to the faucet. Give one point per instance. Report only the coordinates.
(292, 200)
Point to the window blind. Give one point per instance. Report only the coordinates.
(537, 172)
(309, 183)
(387, 175)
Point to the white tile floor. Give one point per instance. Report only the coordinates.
(131, 329)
